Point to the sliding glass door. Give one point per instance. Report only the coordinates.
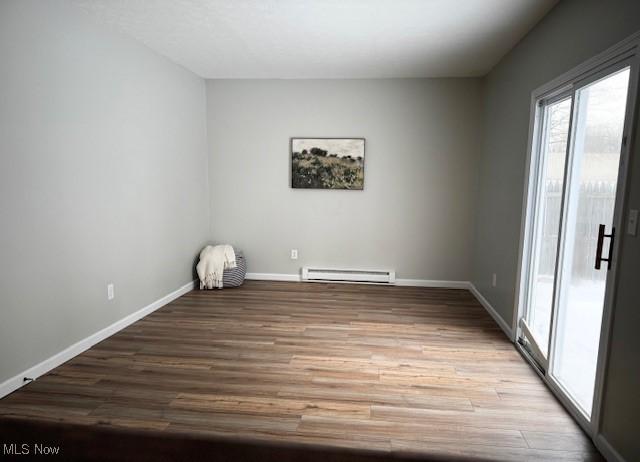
(588, 233)
(580, 132)
(554, 136)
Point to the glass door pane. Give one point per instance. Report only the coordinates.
(598, 122)
(546, 225)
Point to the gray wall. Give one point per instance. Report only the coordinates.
(574, 31)
(102, 178)
(415, 213)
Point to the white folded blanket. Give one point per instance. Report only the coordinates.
(213, 261)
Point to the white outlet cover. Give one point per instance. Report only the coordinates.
(110, 292)
(294, 254)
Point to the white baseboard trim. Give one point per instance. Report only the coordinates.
(491, 310)
(433, 283)
(399, 282)
(273, 277)
(12, 384)
(607, 450)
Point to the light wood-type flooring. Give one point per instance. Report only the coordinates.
(391, 369)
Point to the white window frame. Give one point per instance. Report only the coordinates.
(627, 52)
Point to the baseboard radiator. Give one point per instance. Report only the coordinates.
(312, 273)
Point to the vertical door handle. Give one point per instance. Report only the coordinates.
(601, 236)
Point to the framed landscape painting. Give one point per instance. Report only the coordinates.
(327, 163)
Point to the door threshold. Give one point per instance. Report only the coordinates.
(571, 408)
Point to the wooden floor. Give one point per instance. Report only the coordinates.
(392, 369)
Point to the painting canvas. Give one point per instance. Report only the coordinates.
(327, 163)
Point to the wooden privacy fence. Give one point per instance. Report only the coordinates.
(595, 206)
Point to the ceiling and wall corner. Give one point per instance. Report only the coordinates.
(332, 39)
(326, 39)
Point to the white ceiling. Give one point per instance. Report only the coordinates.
(326, 38)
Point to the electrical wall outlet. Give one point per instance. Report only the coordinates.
(494, 280)
(294, 254)
(110, 292)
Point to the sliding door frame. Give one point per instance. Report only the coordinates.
(541, 119)
(625, 53)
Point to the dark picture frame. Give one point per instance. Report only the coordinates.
(327, 163)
